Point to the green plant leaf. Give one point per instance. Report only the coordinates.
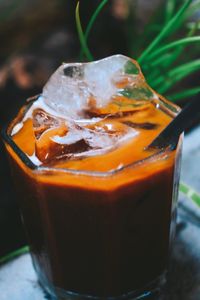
(170, 8)
(167, 30)
(92, 21)
(94, 16)
(151, 29)
(164, 83)
(184, 94)
(178, 43)
(161, 63)
(82, 39)
(14, 254)
(190, 193)
(163, 60)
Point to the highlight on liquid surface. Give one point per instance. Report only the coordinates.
(93, 117)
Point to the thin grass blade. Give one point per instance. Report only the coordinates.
(160, 60)
(168, 58)
(149, 31)
(14, 254)
(181, 42)
(190, 193)
(170, 8)
(92, 21)
(167, 30)
(187, 68)
(94, 17)
(184, 94)
(164, 61)
(169, 79)
(82, 39)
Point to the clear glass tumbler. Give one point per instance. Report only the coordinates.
(99, 235)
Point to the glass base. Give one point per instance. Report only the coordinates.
(149, 292)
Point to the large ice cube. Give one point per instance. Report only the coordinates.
(66, 92)
(75, 141)
(42, 121)
(82, 109)
(78, 87)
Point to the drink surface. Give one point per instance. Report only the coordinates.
(92, 117)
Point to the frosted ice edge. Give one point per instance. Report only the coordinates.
(76, 87)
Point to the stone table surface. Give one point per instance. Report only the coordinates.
(18, 280)
(191, 159)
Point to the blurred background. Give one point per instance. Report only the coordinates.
(37, 36)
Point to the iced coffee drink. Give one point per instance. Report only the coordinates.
(98, 205)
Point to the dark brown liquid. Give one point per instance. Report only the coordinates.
(100, 236)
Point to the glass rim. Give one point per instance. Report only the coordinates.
(28, 162)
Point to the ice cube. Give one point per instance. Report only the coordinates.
(97, 136)
(78, 87)
(101, 76)
(76, 141)
(66, 92)
(92, 140)
(45, 148)
(42, 121)
(82, 106)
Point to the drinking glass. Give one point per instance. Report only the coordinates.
(99, 235)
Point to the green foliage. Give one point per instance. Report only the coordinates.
(166, 81)
(92, 21)
(167, 49)
(184, 94)
(82, 38)
(190, 193)
(168, 29)
(14, 254)
(181, 42)
(170, 8)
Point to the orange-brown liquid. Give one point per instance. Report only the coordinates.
(100, 235)
(128, 152)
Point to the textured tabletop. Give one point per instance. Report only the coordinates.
(191, 159)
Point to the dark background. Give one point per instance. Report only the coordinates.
(36, 37)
